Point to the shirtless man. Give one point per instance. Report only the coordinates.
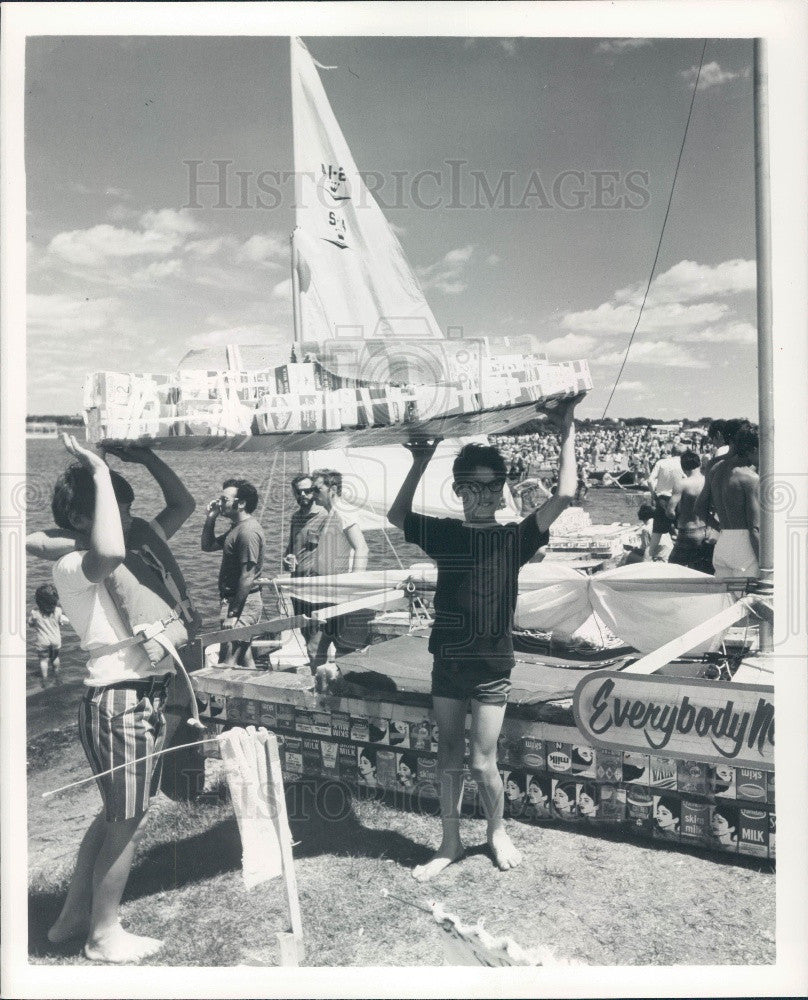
(692, 547)
(732, 490)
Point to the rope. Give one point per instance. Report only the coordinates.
(283, 505)
(129, 763)
(662, 233)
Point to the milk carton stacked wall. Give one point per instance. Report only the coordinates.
(361, 384)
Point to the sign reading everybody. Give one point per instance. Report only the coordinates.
(691, 719)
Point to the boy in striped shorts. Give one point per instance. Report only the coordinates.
(120, 718)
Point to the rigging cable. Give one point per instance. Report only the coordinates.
(662, 233)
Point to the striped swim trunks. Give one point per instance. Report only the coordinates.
(118, 725)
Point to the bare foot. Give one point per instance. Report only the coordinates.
(69, 927)
(445, 855)
(119, 947)
(506, 856)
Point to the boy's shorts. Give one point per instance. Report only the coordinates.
(464, 680)
(119, 724)
(50, 651)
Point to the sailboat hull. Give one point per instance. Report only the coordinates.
(496, 421)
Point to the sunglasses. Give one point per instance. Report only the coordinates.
(310, 489)
(478, 488)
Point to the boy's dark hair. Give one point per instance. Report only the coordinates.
(746, 441)
(74, 494)
(244, 491)
(689, 460)
(46, 598)
(717, 427)
(331, 479)
(471, 456)
(298, 479)
(731, 428)
(645, 511)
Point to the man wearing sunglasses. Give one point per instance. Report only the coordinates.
(300, 556)
(478, 563)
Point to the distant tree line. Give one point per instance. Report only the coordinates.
(74, 420)
(535, 426)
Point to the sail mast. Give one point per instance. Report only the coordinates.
(764, 328)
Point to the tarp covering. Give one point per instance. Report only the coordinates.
(645, 605)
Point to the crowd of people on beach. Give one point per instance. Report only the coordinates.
(702, 487)
(634, 449)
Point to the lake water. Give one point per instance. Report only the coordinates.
(203, 473)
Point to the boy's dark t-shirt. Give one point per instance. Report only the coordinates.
(478, 573)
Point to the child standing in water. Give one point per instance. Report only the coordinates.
(478, 563)
(46, 620)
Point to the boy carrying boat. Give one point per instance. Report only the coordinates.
(478, 563)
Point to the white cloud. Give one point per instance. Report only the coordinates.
(264, 248)
(612, 320)
(121, 213)
(493, 259)
(158, 271)
(59, 314)
(92, 247)
(569, 347)
(448, 274)
(636, 387)
(169, 220)
(711, 75)
(283, 290)
(615, 46)
(730, 333)
(683, 300)
(115, 192)
(208, 247)
(688, 281)
(659, 353)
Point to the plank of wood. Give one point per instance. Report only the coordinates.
(285, 838)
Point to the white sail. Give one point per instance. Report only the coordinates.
(354, 279)
(355, 283)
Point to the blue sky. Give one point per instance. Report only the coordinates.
(123, 275)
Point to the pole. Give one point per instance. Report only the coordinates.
(295, 294)
(764, 326)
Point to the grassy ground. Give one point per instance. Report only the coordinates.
(594, 900)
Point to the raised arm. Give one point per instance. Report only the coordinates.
(107, 550)
(210, 542)
(562, 417)
(422, 451)
(179, 502)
